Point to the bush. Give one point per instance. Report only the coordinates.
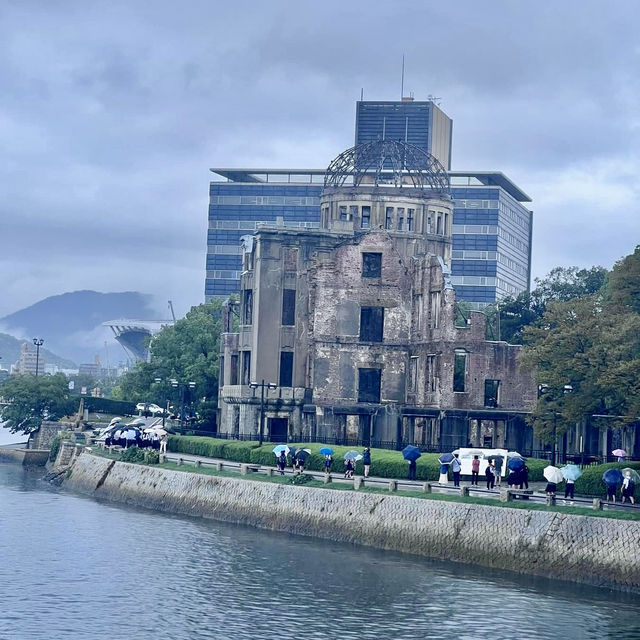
(133, 454)
(299, 478)
(55, 445)
(107, 405)
(151, 456)
(590, 483)
(212, 447)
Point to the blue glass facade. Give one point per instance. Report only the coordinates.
(235, 209)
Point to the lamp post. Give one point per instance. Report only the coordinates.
(38, 342)
(542, 389)
(262, 385)
(182, 385)
(165, 409)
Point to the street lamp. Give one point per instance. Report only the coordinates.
(38, 342)
(542, 389)
(182, 385)
(165, 409)
(263, 385)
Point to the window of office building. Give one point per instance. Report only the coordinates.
(288, 307)
(371, 324)
(246, 367)
(388, 220)
(286, 368)
(369, 385)
(371, 265)
(247, 307)
(460, 370)
(365, 221)
(491, 388)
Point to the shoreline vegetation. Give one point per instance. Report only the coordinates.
(334, 486)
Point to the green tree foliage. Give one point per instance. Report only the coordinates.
(32, 400)
(592, 344)
(187, 351)
(561, 284)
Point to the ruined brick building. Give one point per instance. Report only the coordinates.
(354, 323)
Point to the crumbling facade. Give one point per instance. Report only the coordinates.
(354, 324)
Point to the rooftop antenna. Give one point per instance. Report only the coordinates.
(402, 81)
(434, 99)
(362, 94)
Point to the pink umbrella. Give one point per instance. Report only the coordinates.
(619, 452)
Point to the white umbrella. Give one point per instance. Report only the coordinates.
(513, 454)
(553, 474)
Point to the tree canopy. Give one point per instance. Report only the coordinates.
(586, 352)
(188, 351)
(34, 399)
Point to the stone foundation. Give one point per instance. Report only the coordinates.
(598, 551)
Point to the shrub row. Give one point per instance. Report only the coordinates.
(590, 483)
(384, 462)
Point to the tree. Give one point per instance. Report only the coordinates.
(33, 399)
(623, 283)
(188, 351)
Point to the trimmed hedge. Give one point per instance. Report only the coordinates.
(108, 405)
(385, 463)
(590, 482)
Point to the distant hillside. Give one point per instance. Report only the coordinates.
(10, 352)
(70, 324)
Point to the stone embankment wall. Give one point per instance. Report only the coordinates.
(27, 457)
(598, 551)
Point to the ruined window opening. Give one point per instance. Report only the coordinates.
(343, 213)
(413, 374)
(491, 390)
(435, 309)
(286, 368)
(371, 324)
(430, 221)
(446, 224)
(419, 311)
(221, 372)
(371, 265)
(365, 221)
(460, 370)
(247, 306)
(233, 373)
(246, 367)
(410, 215)
(288, 307)
(290, 259)
(369, 385)
(388, 220)
(353, 212)
(439, 225)
(431, 373)
(400, 218)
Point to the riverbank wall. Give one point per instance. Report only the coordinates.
(598, 551)
(27, 457)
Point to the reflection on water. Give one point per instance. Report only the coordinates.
(76, 568)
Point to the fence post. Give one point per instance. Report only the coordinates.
(464, 492)
(218, 466)
(327, 478)
(358, 482)
(426, 487)
(393, 485)
(269, 471)
(597, 504)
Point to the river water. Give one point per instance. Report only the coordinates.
(75, 568)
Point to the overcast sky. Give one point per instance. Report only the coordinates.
(111, 114)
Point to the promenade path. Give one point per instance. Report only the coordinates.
(538, 496)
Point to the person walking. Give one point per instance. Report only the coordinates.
(628, 486)
(366, 461)
(294, 460)
(456, 467)
(348, 472)
(569, 487)
(490, 475)
(524, 477)
(412, 469)
(444, 474)
(164, 439)
(328, 461)
(282, 462)
(475, 470)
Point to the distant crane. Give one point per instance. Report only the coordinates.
(173, 315)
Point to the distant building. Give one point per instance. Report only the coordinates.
(29, 360)
(491, 251)
(354, 322)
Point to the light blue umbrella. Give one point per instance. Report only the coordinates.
(278, 449)
(352, 455)
(326, 451)
(571, 472)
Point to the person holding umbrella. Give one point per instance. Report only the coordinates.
(612, 478)
(570, 473)
(456, 468)
(553, 475)
(282, 462)
(411, 453)
(629, 484)
(445, 460)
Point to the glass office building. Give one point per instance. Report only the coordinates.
(491, 251)
(239, 200)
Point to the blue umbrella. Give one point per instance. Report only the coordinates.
(612, 477)
(515, 464)
(445, 458)
(280, 448)
(571, 472)
(411, 453)
(326, 451)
